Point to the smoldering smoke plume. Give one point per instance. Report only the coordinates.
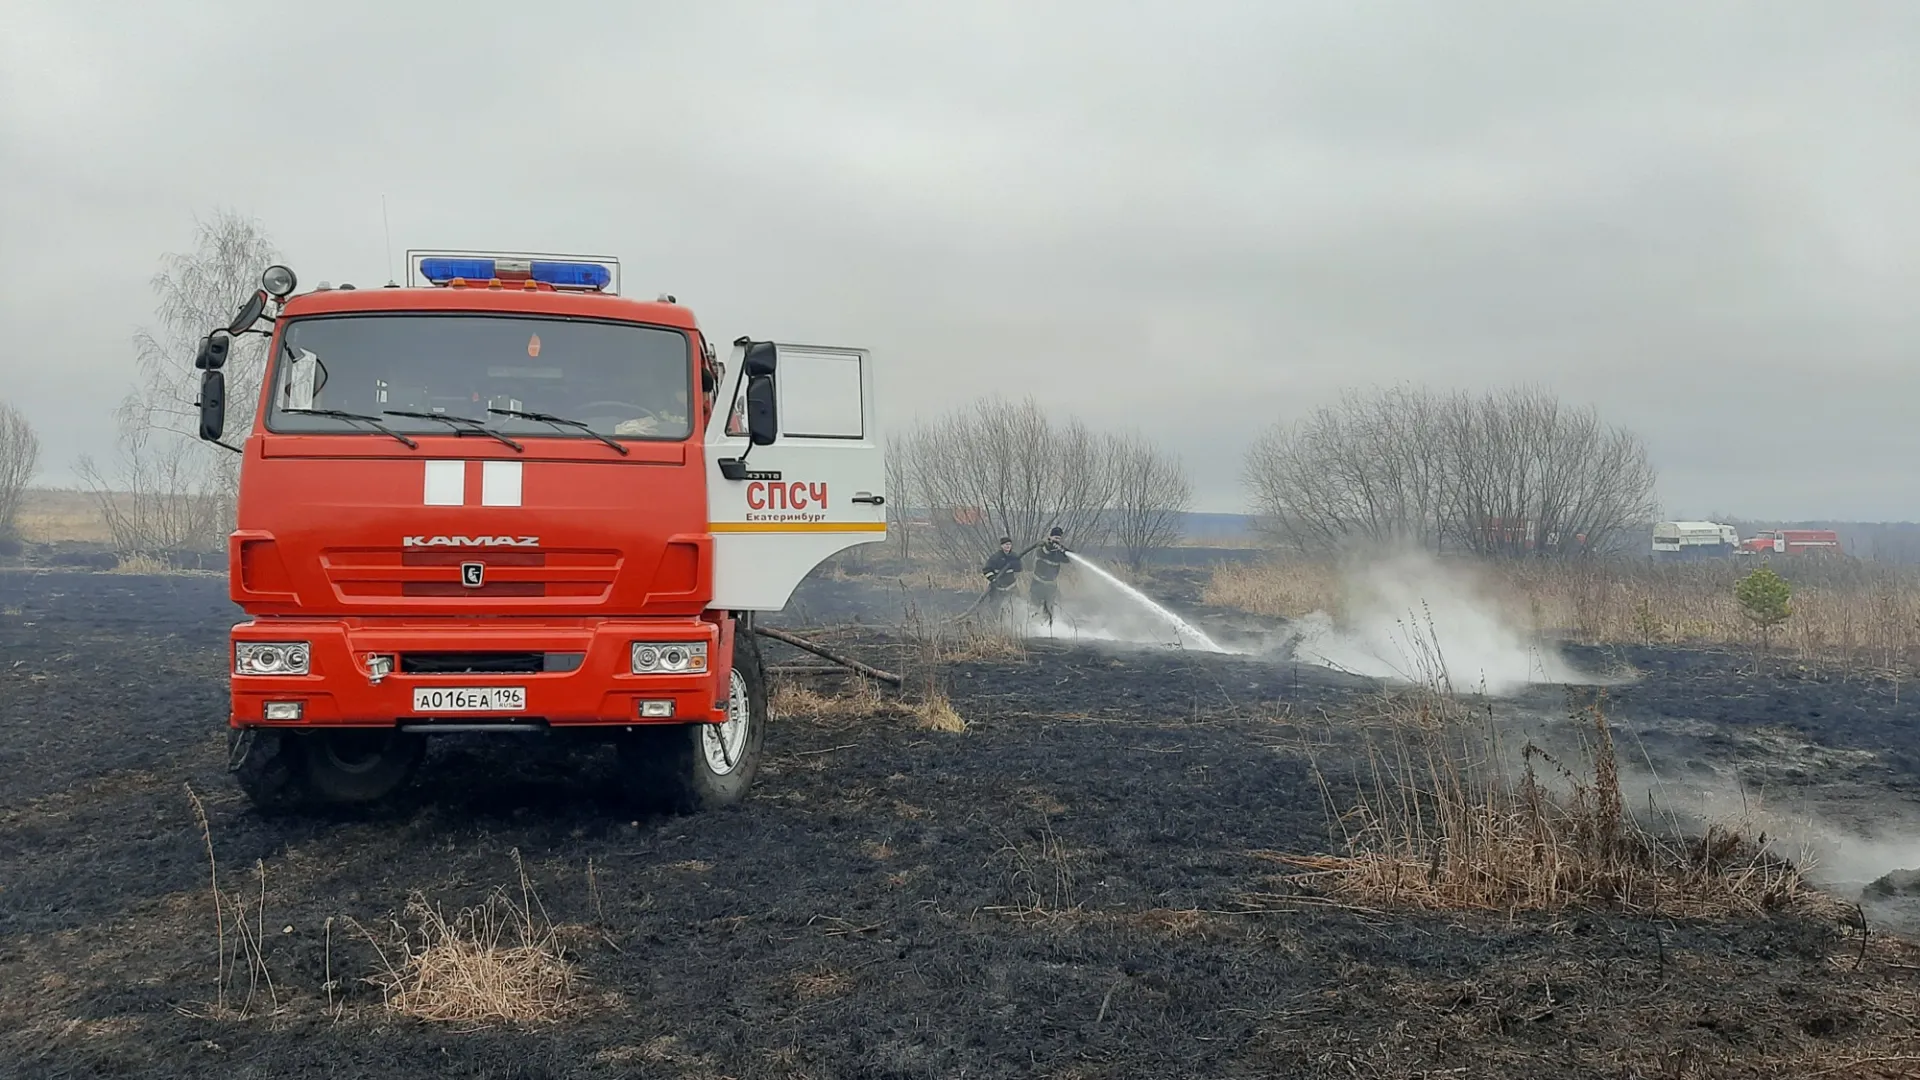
(1407, 617)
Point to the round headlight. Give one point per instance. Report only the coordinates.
(674, 658)
(296, 657)
(644, 659)
(268, 658)
(278, 281)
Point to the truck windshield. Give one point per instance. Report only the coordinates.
(615, 379)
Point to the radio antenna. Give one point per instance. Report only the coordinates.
(388, 228)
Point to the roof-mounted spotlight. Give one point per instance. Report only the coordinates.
(279, 282)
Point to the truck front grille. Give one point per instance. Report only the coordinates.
(506, 662)
(373, 575)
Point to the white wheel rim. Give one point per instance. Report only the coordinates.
(726, 743)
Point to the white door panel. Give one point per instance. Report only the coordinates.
(797, 505)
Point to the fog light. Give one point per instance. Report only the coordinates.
(283, 710)
(656, 708)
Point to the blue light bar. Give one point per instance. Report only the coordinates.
(441, 271)
(561, 274)
(572, 274)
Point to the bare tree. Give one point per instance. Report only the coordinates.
(165, 490)
(900, 495)
(1507, 473)
(1532, 476)
(1151, 492)
(1000, 468)
(19, 456)
(1368, 467)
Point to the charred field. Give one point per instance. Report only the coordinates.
(1080, 884)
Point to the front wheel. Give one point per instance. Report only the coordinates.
(690, 767)
(359, 766)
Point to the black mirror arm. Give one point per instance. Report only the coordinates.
(735, 468)
(228, 445)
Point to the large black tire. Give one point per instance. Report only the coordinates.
(684, 768)
(266, 763)
(359, 765)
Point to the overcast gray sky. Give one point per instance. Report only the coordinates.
(1702, 218)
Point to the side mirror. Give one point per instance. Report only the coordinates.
(213, 405)
(213, 351)
(250, 312)
(760, 359)
(763, 423)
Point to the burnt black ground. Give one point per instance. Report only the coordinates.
(1059, 891)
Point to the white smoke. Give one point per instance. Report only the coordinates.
(1408, 618)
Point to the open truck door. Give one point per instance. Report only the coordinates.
(795, 468)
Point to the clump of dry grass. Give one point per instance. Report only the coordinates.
(860, 701)
(936, 713)
(498, 962)
(141, 564)
(1440, 823)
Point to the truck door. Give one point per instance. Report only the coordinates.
(819, 488)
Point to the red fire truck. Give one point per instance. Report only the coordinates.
(506, 499)
(1792, 542)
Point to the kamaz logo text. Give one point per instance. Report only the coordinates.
(793, 496)
(470, 541)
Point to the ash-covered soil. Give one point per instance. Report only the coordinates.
(1070, 888)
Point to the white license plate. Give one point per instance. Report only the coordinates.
(446, 699)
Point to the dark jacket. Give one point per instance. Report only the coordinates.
(1047, 564)
(1003, 569)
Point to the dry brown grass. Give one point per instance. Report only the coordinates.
(499, 962)
(1845, 611)
(938, 714)
(49, 516)
(860, 701)
(810, 985)
(1275, 589)
(142, 564)
(1440, 822)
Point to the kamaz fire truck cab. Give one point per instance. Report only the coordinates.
(504, 498)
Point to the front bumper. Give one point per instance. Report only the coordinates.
(340, 691)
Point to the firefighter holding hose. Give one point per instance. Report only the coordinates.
(1002, 572)
(1045, 586)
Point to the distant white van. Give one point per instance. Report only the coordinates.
(1694, 540)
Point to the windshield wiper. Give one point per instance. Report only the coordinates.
(473, 425)
(549, 418)
(371, 421)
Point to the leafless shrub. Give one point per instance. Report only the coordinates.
(19, 456)
(165, 490)
(1514, 472)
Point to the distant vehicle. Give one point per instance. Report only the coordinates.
(1694, 540)
(1793, 542)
